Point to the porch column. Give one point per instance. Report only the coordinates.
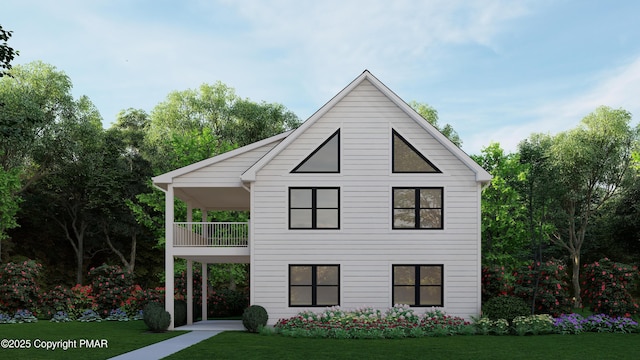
(204, 291)
(205, 228)
(189, 292)
(168, 255)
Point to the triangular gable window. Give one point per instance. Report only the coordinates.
(324, 159)
(406, 159)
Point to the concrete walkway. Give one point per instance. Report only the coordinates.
(198, 332)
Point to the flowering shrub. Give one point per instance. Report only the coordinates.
(181, 286)
(486, 326)
(24, 316)
(533, 324)
(60, 317)
(56, 300)
(19, 285)
(607, 287)
(117, 315)
(89, 316)
(111, 285)
(6, 319)
(82, 300)
(545, 283)
(495, 282)
(368, 323)
(576, 324)
(139, 297)
(226, 302)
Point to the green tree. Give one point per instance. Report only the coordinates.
(7, 53)
(430, 114)
(588, 164)
(505, 235)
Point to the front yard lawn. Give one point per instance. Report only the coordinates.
(241, 345)
(121, 337)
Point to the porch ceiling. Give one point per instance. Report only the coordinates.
(214, 198)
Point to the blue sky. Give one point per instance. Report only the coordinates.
(496, 70)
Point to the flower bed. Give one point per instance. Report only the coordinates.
(401, 321)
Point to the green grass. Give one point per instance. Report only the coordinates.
(121, 337)
(241, 345)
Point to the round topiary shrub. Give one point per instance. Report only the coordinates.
(156, 318)
(254, 317)
(180, 312)
(505, 307)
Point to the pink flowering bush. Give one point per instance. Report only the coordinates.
(401, 321)
(495, 282)
(607, 287)
(546, 285)
(111, 285)
(19, 286)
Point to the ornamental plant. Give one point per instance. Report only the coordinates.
(117, 315)
(19, 287)
(496, 281)
(254, 318)
(607, 287)
(533, 324)
(505, 307)
(112, 286)
(486, 326)
(24, 316)
(138, 298)
(6, 319)
(82, 300)
(368, 323)
(545, 286)
(89, 316)
(576, 324)
(227, 302)
(58, 299)
(60, 317)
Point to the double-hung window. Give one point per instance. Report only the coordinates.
(418, 208)
(314, 208)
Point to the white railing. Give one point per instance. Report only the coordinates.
(216, 234)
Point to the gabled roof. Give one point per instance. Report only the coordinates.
(481, 174)
(167, 178)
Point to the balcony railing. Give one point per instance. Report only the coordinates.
(216, 234)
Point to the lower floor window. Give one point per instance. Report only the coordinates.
(314, 285)
(418, 285)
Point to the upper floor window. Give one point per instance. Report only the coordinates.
(406, 159)
(314, 208)
(324, 159)
(417, 208)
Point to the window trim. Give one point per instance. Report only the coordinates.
(314, 285)
(417, 207)
(296, 171)
(394, 133)
(417, 285)
(314, 208)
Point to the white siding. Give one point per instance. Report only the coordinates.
(365, 245)
(224, 173)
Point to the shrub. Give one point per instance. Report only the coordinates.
(138, 298)
(59, 317)
(486, 326)
(533, 324)
(82, 300)
(607, 287)
(156, 318)
(226, 302)
(180, 312)
(111, 285)
(576, 324)
(254, 317)
(19, 285)
(545, 285)
(117, 315)
(505, 307)
(495, 282)
(58, 299)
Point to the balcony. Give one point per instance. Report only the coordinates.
(211, 234)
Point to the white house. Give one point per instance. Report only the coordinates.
(365, 203)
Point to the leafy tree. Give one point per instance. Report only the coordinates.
(588, 164)
(505, 235)
(431, 115)
(7, 53)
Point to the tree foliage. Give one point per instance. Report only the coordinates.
(430, 114)
(7, 53)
